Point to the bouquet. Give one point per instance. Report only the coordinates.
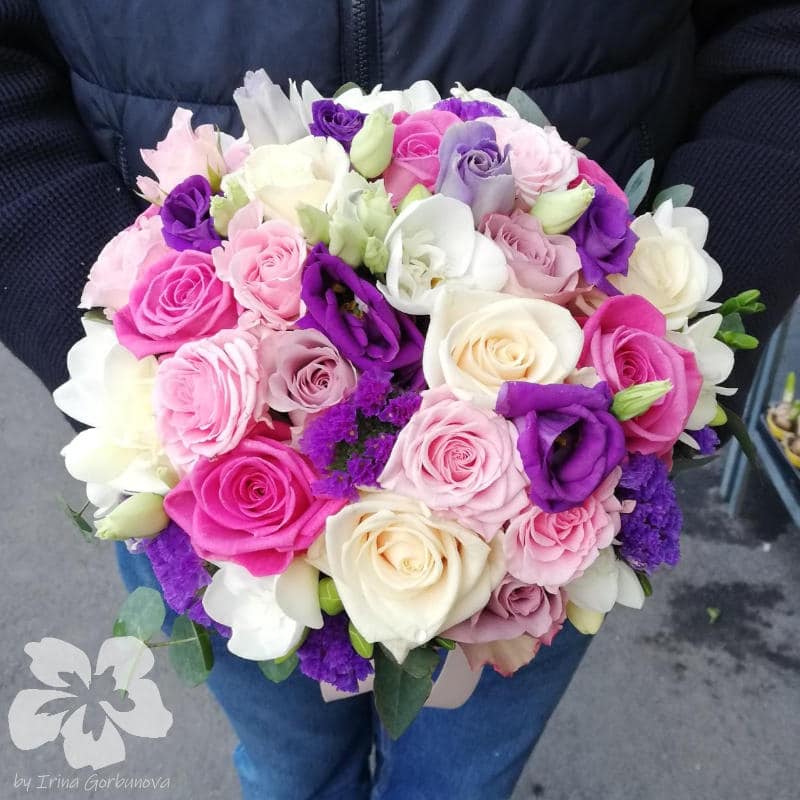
(392, 375)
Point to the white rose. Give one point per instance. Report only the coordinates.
(419, 96)
(112, 392)
(714, 361)
(432, 244)
(403, 574)
(267, 616)
(479, 340)
(460, 91)
(669, 266)
(282, 176)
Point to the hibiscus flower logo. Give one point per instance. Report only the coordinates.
(87, 709)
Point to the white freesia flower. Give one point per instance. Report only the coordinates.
(607, 581)
(282, 176)
(433, 244)
(669, 266)
(419, 96)
(267, 616)
(112, 392)
(487, 97)
(269, 116)
(403, 574)
(715, 362)
(479, 340)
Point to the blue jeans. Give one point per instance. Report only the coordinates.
(294, 746)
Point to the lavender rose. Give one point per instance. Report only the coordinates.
(357, 318)
(604, 239)
(335, 121)
(473, 168)
(186, 219)
(568, 439)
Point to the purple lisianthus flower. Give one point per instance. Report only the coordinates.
(707, 440)
(568, 439)
(327, 655)
(187, 223)
(181, 573)
(650, 534)
(467, 110)
(328, 118)
(357, 318)
(604, 239)
(474, 168)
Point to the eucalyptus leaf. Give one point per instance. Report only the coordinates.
(421, 661)
(142, 614)
(639, 183)
(399, 695)
(279, 671)
(732, 322)
(77, 519)
(680, 194)
(190, 651)
(526, 107)
(345, 87)
(583, 143)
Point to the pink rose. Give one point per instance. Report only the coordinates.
(263, 265)
(460, 460)
(541, 266)
(552, 549)
(624, 341)
(205, 396)
(122, 261)
(303, 372)
(591, 172)
(183, 152)
(514, 608)
(541, 161)
(253, 505)
(415, 152)
(177, 300)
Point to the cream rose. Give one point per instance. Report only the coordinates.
(479, 340)
(669, 267)
(283, 176)
(403, 574)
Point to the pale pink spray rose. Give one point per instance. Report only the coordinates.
(460, 460)
(552, 549)
(122, 261)
(263, 264)
(302, 372)
(540, 265)
(205, 396)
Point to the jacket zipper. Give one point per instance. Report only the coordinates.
(361, 42)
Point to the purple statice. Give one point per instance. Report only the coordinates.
(331, 119)
(371, 393)
(707, 440)
(181, 573)
(327, 655)
(650, 534)
(399, 410)
(468, 110)
(320, 441)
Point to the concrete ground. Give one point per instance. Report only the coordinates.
(668, 705)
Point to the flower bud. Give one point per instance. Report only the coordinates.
(635, 400)
(315, 224)
(141, 516)
(375, 212)
(371, 149)
(348, 240)
(360, 644)
(224, 206)
(376, 256)
(584, 619)
(559, 211)
(418, 192)
(720, 418)
(329, 600)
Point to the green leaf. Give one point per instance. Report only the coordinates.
(526, 107)
(329, 600)
(680, 194)
(190, 651)
(421, 661)
(360, 644)
(447, 644)
(732, 322)
(739, 430)
(583, 143)
(737, 341)
(345, 87)
(77, 519)
(644, 582)
(399, 695)
(636, 188)
(142, 614)
(278, 671)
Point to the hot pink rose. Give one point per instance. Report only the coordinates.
(591, 172)
(177, 300)
(253, 506)
(263, 265)
(303, 372)
(514, 608)
(460, 460)
(205, 396)
(122, 261)
(624, 341)
(552, 549)
(540, 265)
(415, 152)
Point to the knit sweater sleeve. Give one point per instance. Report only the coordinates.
(61, 201)
(743, 157)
